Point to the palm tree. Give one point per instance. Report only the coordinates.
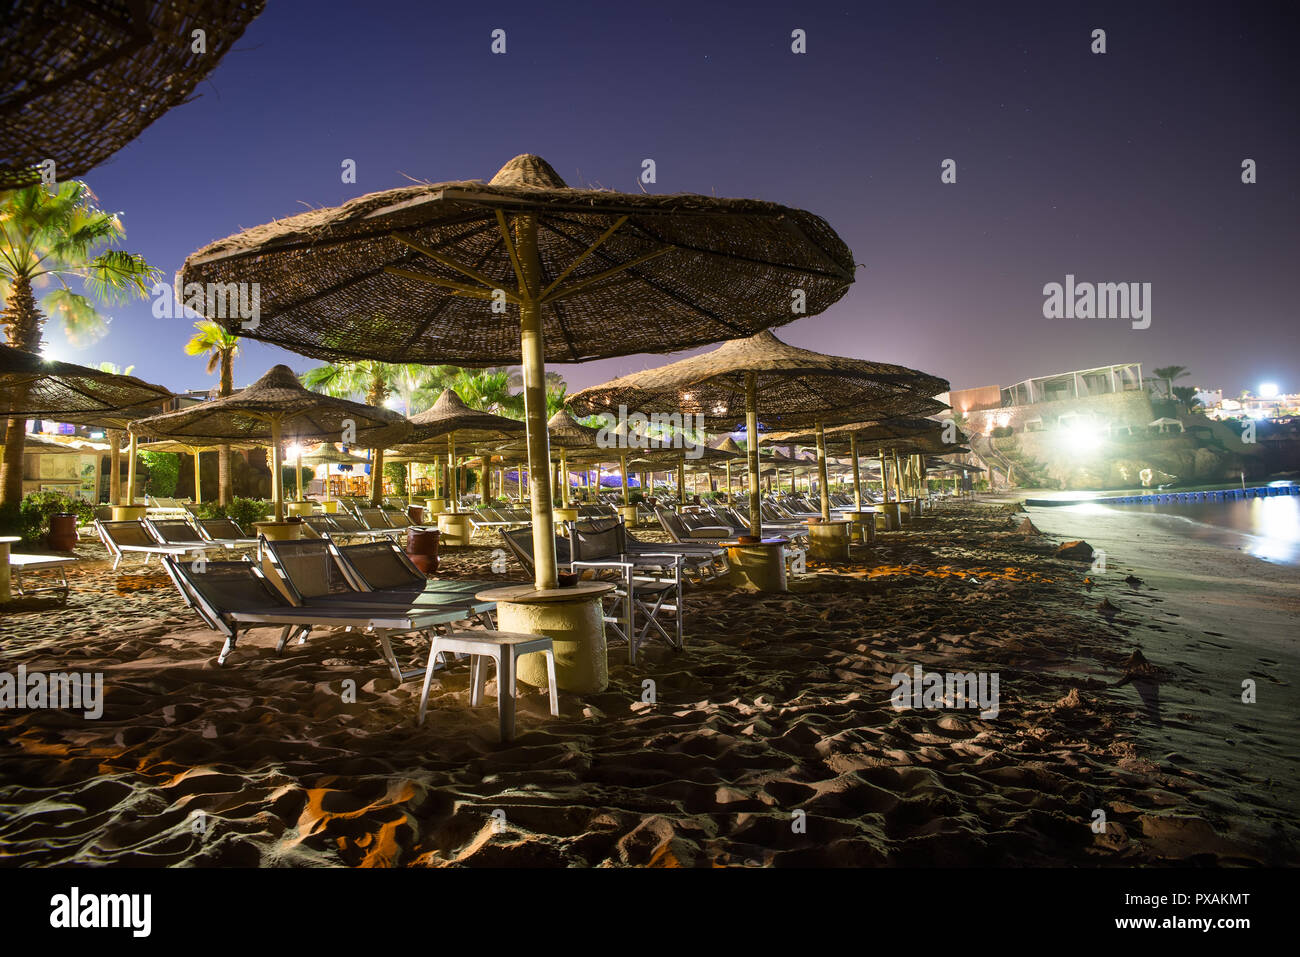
(220, 347)
(556, 390)
(53, 235)
(1186, 396)
(489, 391)
(1168, 374)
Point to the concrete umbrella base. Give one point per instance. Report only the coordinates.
(329, 508)
(435, 506)
(280, 531)
(456, 531)
(128, 513)
(864, 526)
(888, 518)
(572, 618)
(829, 541)
(629, 515)
(760, 566)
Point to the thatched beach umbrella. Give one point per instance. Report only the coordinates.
(450, 420)
(34, 387)
(902, 434)
(798, 387)
(273, 406)
(476, 273)
(80, 79)
(327, 454)
(194, 448)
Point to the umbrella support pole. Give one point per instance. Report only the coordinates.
(751, 453)
(529, 269)
(823, 481)
(198, 487)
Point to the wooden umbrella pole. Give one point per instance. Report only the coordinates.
(534, 363)
(130, 473)
(823, 479)
(298, 469)
(564, 478)
(115, 466)
(198, 488)
(410, 484)
(377, 479)
(857, 474)
(681, 481)
(622, 468)
(453, 472)
(751, 453)
(277, 493)
(884, 474)
(898, 476)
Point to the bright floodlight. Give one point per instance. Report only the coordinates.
(293, 451)
(1268, 390)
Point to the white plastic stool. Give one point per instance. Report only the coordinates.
(503, 647)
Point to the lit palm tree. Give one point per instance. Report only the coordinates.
(1186, 396)
(220, 347)
(1168, 374)
(51, 236)
(489, 391)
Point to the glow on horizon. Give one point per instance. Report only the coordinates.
(1268, 390)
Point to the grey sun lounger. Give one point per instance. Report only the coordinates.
(132, 536)
(232, 597)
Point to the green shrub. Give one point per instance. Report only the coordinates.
(31, 519)
(211, 510)
(245, 511)
(164, 472)
(290, 480)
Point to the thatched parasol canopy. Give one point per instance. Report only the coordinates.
(449, 414)
(798, 387)
(450, 422)
(274, 407)
(395, 275)
(903, 434)
(36, 388)
(327, 454)
(524, 266)
(82, 78)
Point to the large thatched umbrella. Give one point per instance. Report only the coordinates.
(34, 387)
(450, 419)
(481, 273)
(903, 434)
(798, 387)
(192, 447)
(327, 454)
(79, 79)
(273, 406)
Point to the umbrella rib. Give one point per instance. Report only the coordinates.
(658, 287)
(424, 324)
(450, 263)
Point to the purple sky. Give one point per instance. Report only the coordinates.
(1122, 167)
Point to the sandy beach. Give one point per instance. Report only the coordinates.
(770, 741)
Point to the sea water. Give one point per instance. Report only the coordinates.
(1268, 528)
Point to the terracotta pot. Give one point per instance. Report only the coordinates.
(422, 547)
(63, 532)
(416, 514)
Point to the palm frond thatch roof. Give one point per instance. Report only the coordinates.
(303, 414)
(450, 414)
(411, 274)
(33, 387)
(795, 386)
(79, 79)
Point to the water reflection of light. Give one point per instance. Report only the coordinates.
(1275, 522)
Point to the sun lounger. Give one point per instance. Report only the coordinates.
(349, 526)
(181, 534)
(225, 531)
(20, 564)
(679, 531)
(132, 536)
(376, 520)
(156, 507)
(236, 596)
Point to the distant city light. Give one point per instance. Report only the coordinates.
(1268, 390)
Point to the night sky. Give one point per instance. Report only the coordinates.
(1122, 167)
